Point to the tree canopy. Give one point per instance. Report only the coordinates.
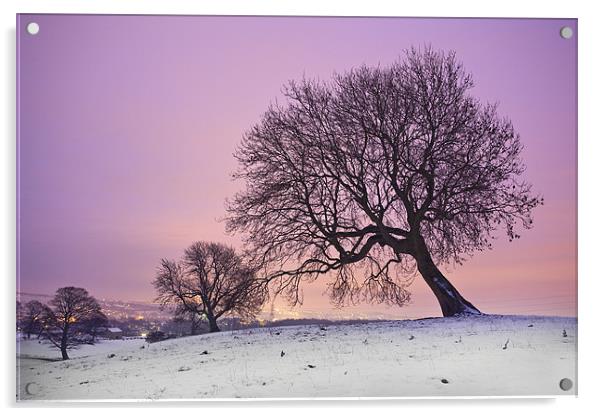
(67, 323)
(210, 280)
(374, 173)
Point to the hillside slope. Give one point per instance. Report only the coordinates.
(486, 355)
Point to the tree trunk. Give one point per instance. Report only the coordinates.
(213, 325)
(212, 322)
(64, 342)
(450, 300)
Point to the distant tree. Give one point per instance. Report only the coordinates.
(19, 316)
(33, 316)
(66, 324)
(155, 336)
(380, 171)
(209, 281)
(184, 315)
(94, 323)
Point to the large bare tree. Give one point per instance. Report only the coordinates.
(211, 281)
(378, 172)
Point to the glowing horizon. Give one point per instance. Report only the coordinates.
(127, 125)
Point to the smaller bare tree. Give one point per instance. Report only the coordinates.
(94, 323)
(19, 315)
(185, 316)
(65, 325)
(210, 281)
(32, 317)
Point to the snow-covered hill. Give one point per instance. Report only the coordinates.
(486, 355)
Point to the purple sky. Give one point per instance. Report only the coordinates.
(127, 127)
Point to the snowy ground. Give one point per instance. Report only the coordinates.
(487, 355)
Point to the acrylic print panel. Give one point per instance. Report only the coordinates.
(291, 207)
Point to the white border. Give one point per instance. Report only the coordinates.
(589, 151)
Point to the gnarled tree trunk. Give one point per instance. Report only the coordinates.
(450, 300)
(212, 322)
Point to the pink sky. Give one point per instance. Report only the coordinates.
(127, 127)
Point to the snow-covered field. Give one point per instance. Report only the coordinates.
(485, 355)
